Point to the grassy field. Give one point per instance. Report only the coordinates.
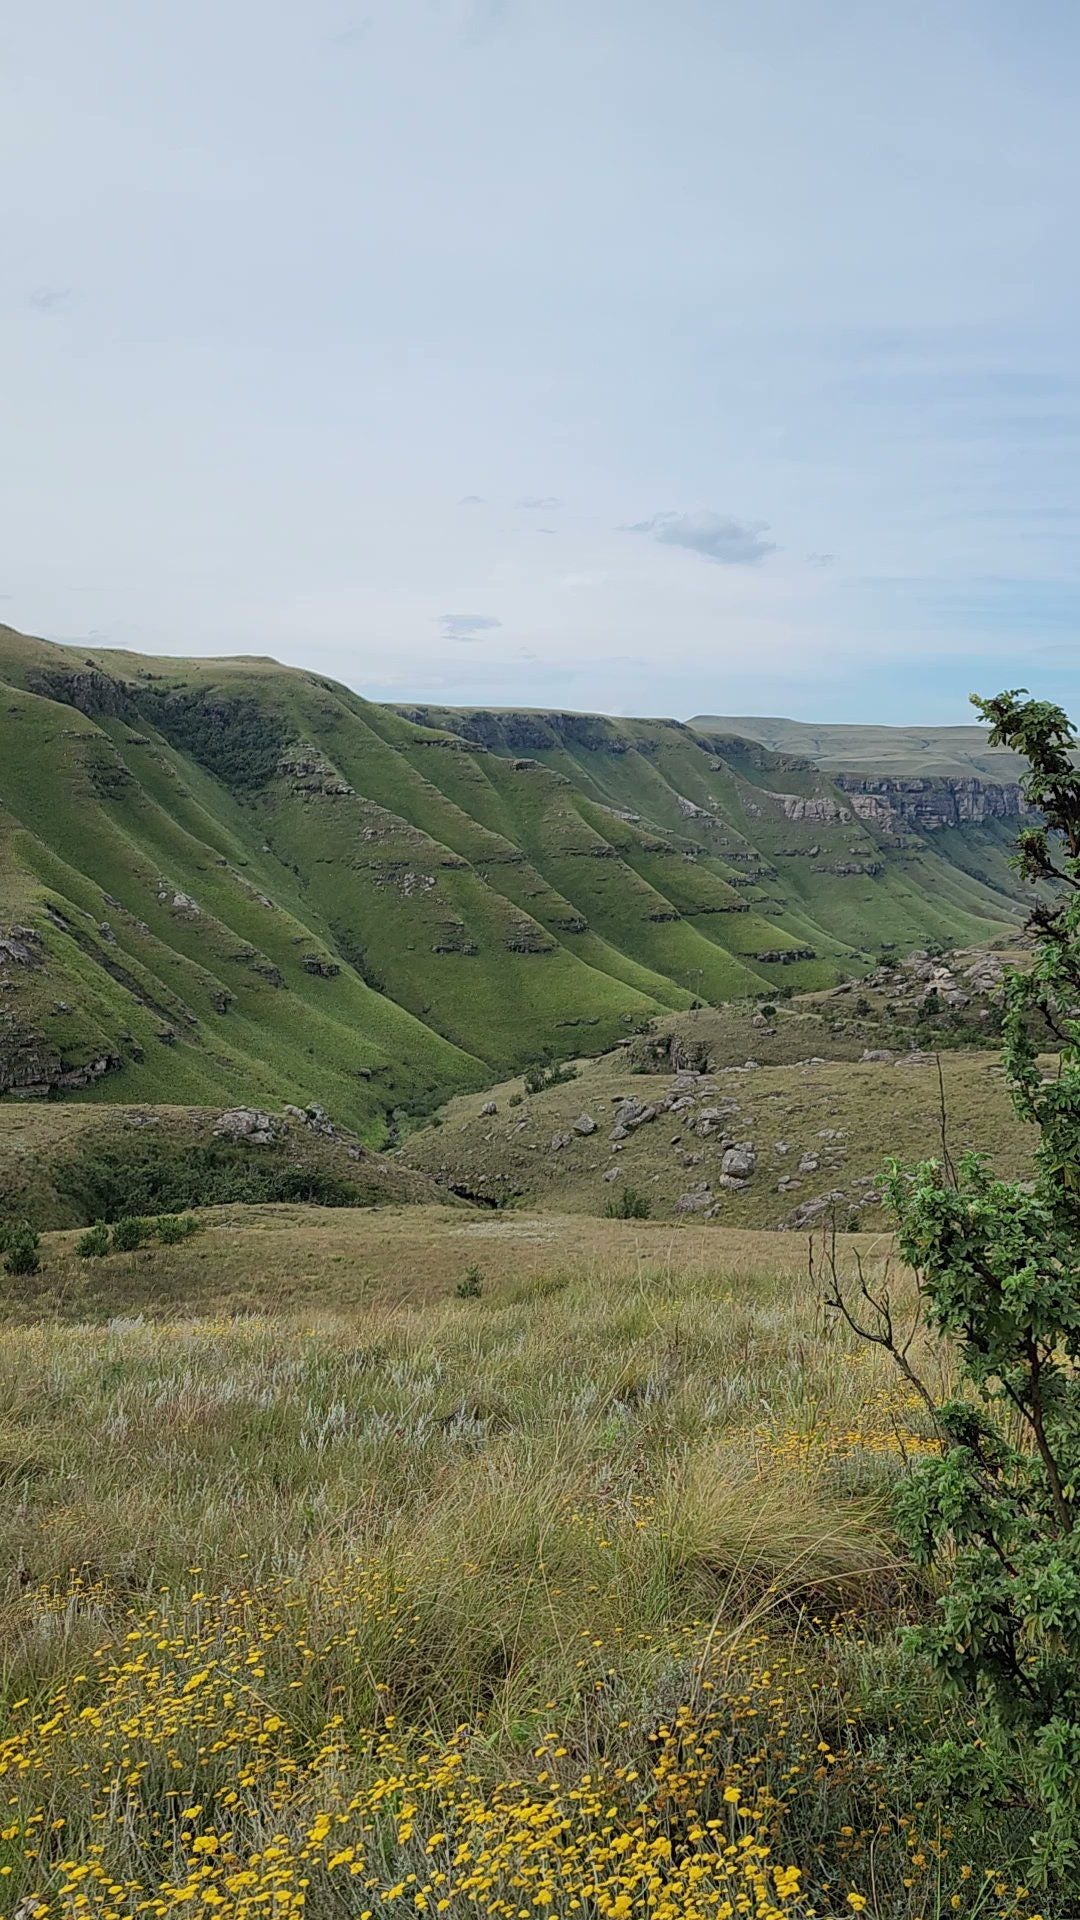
(326, 1587)
(955, 752)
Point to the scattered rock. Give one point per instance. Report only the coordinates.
(246, 1123)
(739, 1161)
(489, 1107)
(584, 1124)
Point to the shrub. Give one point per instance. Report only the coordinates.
(995, 1510)
(94, 1243)
(630, 1205)
(471, 1284)
(171, 1228)
(21, 1250)
(130, 1233)
(548, 1073)
(146, 1177)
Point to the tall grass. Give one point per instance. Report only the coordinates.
(593, 1576)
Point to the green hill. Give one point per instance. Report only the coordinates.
(940, 752)
(229, 880)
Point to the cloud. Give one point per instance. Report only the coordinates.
(467, 626)
(820, 559)
(471, 500)
(49, 299)
(350, 35)
(539, 503)
(734, 543)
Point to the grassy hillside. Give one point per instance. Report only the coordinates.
(326, 1589)
(229, 880)
(818, 1133)
(930, 751)
(67, 1164)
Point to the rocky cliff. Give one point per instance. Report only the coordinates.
(932, 803)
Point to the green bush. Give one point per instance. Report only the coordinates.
(21, 1250)
(147, 1177)
(994, 1510)
(630, 1205)
(94, 1243)
(471, 1285)
(171, 1228)
(548, 1073)
(130, 1233)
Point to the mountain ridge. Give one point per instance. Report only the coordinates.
(228, 879)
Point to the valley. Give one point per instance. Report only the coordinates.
(228, 881)
(442, 1476)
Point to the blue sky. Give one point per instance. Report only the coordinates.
(683, 358)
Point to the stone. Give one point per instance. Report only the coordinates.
(618, 1134)
(584, 1124)
(612, 1173)
(489, 1107)
(876, 1053)
(739, 1161)
(809, 1163)
(246, 1123)
(731, 1184)
(696, 1200)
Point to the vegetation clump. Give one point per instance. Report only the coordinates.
(148, 1177)
(629, 1205)
(994, 1510)
(21, 1248)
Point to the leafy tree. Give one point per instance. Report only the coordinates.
(995, 1510)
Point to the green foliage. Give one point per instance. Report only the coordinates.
(94, 1243)
(150, 1177)
(172, 1228)
(471, 1284)
(995, 1511)
(629, 1205)
(21, 1249)
(129, 1233)
(548, 1073)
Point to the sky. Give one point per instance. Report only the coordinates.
(661, 358)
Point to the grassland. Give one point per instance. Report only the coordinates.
(228, 881)
(950, 752)
(327, 1589)
(820, 1132)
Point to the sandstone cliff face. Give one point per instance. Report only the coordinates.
(932, 804)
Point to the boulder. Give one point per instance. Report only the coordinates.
(876, 1053)
(739, 1161)
(584, 1124)
(489, 1107)
(696, 1200)
(246, 1123)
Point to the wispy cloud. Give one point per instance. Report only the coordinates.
(539, 503)
(467, 626)
(471, 500)
(49, 299)
(717, 536)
